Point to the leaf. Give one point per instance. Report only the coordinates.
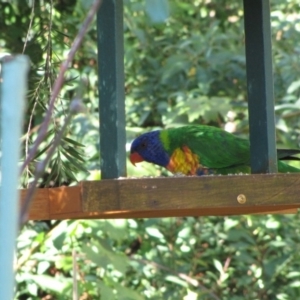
(295, 85)
(76, 154)
(124, 293)
(218, 266)
(100, 259)
(106, 292)
(71, 141)
(45, 282)
(271, 223)
(102, 256)
(176, 280)
(67, 173)
(191, 295)
(74, 162)
(116, 229)
(155, 233)
(158, 10)
(32, 288)
(184, 232)
(38, 154)
(58, 234)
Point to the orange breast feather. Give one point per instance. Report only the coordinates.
(184, 161)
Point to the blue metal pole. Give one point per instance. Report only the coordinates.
(13, 94)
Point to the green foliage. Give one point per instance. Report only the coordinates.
(207, 258)
(184, 63)
(45, 31)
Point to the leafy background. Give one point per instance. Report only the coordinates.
(184, 63)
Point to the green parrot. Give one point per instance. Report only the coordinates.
(200, 150)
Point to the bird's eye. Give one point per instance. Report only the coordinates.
(143, 145)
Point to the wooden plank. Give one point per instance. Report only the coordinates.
(65, 200)
(111, 89)
(39, 209)
(260, 86)
(209, 193)
(57, 204)
(169, 197)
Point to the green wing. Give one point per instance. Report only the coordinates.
(215, 147)
(220, 150)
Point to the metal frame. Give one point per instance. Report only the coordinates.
(111, 89)
(260, 86)
(259, 83)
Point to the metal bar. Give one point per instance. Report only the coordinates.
(260, 86)
(111, 89)
(15, 70)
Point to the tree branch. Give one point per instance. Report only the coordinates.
(75, 107)
(59, 82)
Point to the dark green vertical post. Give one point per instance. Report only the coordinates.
(111, 89)
(260, 86)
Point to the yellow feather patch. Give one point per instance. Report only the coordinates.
(184, 161)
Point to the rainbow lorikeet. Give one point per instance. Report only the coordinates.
(200, 150)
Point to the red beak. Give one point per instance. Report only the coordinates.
(135, 158)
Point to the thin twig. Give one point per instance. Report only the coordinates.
(45, 79)
(29, 27)
(59, 82)
(30, 124)
(224, 270)
(49, 48)
(183, 276)
(76, 106)
(31, 116)
(75, 282)
(291, 114)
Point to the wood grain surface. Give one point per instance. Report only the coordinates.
(171, 196)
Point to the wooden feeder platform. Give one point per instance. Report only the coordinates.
(169, 197)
